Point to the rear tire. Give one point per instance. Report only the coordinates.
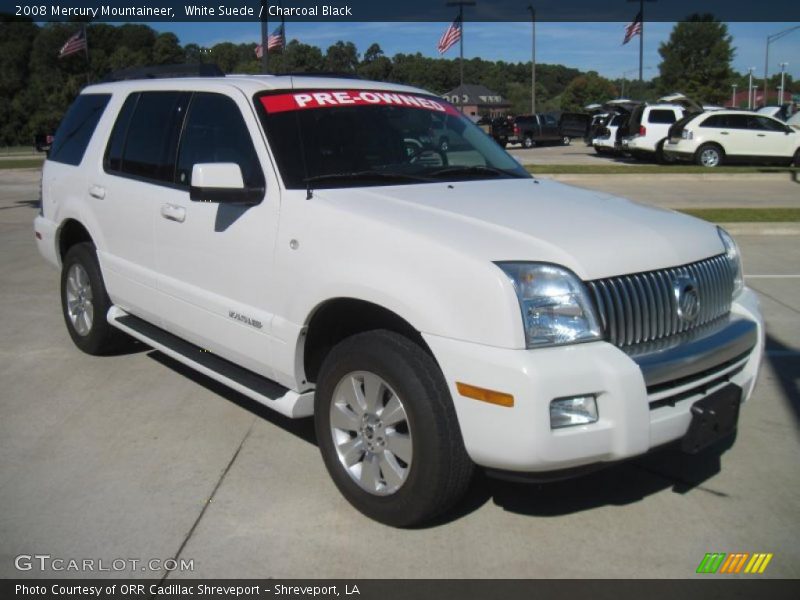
(709, 155)
(528, 142)
(661, 157)
(387, 429)
(85, 303)
(796, 159)
(566, 140)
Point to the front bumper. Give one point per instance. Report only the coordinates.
(634, 403)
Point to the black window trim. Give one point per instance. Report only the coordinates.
(170, 185)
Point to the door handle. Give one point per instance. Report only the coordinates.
(173, 212)
(723, 133)
(761, 134)
(97, 191)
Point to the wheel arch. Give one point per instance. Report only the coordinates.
(339, 318)
(71, 232)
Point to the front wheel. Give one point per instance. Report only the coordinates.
(565, 141)
(528, 142)
(387, 429)
(709, 156)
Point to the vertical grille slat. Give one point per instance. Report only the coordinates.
(642, 307)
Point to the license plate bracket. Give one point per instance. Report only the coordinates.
(713, 418)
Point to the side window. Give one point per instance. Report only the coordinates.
(549, 120)
(152, 137)
(718, 121)
(116, 143)
(737, 121)
(769, 124)
(216, 132)
(661, 116)
(77, 127)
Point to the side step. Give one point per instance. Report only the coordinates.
(273, 395)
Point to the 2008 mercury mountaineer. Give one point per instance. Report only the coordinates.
(307, 242)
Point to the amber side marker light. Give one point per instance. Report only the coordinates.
(484, 395)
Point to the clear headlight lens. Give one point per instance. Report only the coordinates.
(735, 258)
(555, 306)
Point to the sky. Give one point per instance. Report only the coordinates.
(586, 46)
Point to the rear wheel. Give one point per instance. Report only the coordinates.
(528, 142)
(662, 157)
(566, 140)
(709, 155)
(387, 429)
(796, 159)
(84, 302)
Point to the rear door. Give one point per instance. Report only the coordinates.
(771, 139)
(574, 125)
(659, 120)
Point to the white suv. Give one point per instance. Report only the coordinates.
(711, 139)
(301, 240)
(649, 126)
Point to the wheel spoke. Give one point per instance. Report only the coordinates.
(89, 314)
(393, 412)
(370, 472)
(399, 444)
(342, 417)
(392, 472)
(72, 284)
(350, 393)
(373, 392)
(351, 452)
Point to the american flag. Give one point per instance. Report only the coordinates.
(74, 44)
(275, 41)
(451, 35)
(635, 28)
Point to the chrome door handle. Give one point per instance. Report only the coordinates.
(97, 191)
(172, 212)
(761, 134)
(723, 133)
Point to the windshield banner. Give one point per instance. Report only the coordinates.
(334, 98)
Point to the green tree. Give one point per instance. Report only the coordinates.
(342, 57)
(586, 89)
(167, 50)
(696, 60)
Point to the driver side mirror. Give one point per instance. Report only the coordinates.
(223, 183)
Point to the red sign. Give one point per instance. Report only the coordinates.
(333, 98)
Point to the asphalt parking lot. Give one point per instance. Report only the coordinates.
(136, 457)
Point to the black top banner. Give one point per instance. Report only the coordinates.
(401, 11)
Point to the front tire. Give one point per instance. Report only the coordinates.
(387, 429)
(84, 302)
(710, 155)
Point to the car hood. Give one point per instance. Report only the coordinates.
(593, 234)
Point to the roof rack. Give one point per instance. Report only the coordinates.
(164, 71)
(331, 74)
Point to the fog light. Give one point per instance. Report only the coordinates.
(568, 412)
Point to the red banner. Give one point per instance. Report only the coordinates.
(334, 98)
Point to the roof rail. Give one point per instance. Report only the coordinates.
(164, 71)
(331, 74)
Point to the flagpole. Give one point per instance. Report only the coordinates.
(86, 52)
(461, 4)
(264, 34)
(641, 41)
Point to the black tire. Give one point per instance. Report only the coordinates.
(566, 140)
(439, 470)
(444, 145)
(101, 338)
(704, 153)
(796, 159)
(527, 142)
(661, 156)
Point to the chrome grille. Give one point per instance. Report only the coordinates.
(642, 307)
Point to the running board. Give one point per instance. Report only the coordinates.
(265, 391)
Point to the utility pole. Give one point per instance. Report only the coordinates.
(783, 66)
(461, 4)
(733, 95)
(750, 98)
(772, 38)
(533, 58)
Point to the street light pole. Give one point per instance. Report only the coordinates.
(733, 96)
(533, 58)
(750, 89)
(783, 66)
(772, 38)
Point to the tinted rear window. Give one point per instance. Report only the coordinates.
(661, 116)
(715, 121)
(77, 127)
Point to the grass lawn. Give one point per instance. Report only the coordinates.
(745, 215)
(621, 169)
(21, 163)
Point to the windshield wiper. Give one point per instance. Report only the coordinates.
(478, 170)
(361, 176)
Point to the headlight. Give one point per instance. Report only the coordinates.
(735, 259)
(555, 307)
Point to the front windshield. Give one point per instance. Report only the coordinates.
(348, 138)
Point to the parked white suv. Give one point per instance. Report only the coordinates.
(711, 139)
(649, 126)
(302, 241)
